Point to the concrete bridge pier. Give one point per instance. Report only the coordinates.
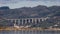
(25, 21)
(29, 21)
(18, 21)
(39, 20)
(22, 22)
(35, 21)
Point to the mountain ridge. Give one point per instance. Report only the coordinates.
(38, 11)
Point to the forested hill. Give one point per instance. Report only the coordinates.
(31, 12)
(24, 12)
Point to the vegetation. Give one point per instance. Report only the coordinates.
(31, 12)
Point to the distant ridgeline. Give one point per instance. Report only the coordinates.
(4, 8)
(30, 12)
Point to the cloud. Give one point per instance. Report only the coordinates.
(15, 1)
(28, 3)
(8, 1)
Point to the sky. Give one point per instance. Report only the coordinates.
(28, 3)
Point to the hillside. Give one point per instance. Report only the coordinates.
(31, 12)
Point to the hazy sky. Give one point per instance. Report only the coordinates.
(28, 3)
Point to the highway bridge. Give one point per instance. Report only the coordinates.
(23, 21)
